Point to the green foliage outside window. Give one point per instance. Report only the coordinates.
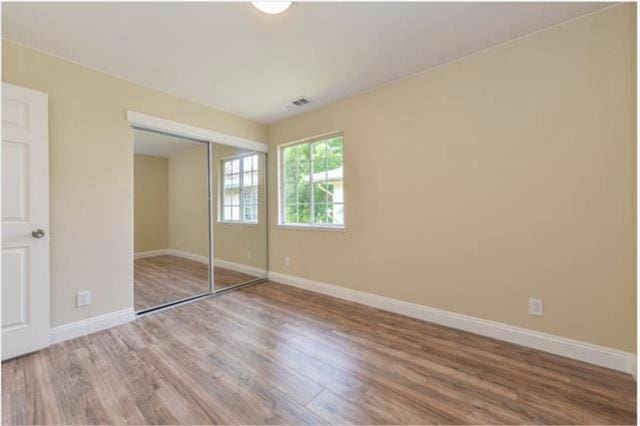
(312, 174)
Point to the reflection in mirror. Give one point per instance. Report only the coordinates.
(240, 219)
(171, 219)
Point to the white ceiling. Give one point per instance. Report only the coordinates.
(232, 57)
(160, 145)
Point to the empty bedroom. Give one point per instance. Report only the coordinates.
(280, 212)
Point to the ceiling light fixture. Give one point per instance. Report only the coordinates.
(271, 7)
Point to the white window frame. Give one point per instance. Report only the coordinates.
(221, 205)
(281, 198)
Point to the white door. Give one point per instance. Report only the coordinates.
(25, 221)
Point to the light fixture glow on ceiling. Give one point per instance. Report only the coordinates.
(271, 7)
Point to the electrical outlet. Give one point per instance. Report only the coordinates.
(83, 298)
(250, 254)
(287, 261)
(536, 307)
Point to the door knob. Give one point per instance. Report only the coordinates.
(38, 233)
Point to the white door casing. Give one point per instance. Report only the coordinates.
(25, 209)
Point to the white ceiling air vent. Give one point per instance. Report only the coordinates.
(301, 102)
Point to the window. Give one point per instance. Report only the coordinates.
(312, 187)
(239, 201)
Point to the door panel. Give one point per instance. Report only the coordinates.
(15, 264)
(25, 208)
(15, 182)
(15, 114)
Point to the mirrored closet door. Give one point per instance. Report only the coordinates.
(240, 216)
(171, 219)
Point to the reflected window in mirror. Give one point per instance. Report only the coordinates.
(239, 189)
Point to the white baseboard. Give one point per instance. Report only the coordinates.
(90, 325)
(173, 252)
(234, 266)
(187, 255)
(240, 267)
(150, 253)
(582, 351)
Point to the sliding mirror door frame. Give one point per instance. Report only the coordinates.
(191, 256)
(138, 120)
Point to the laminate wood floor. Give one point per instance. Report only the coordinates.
(270, 354)
(163, 279)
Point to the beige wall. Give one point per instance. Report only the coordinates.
(189, 201)
(151, 198)
(234, 241)
(502, 176)
(91, 173)
(470, 187)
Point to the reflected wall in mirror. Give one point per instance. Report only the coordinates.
(240, 216)
(171, 219)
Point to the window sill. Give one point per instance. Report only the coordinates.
(314, 228)
(226, 222)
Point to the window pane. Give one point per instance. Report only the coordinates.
(336, 214)
(291, 213)
(330, 187)
(320, 213)
(304, 213)
(247, 163)
(290, 193)
(313, 175)
(304, 193)
(296, 180)
(319, 160)
(297, 156)
(231, 197)
(303, 187)
(338, 192)
(290, 169)
(290, 183)
(298, 213)
(334, 153)
(250, 213)
(320, 192)
(231, 181)
(247, 179)
(250, 195)
(240, 204)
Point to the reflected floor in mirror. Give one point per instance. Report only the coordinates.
(164, 279)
